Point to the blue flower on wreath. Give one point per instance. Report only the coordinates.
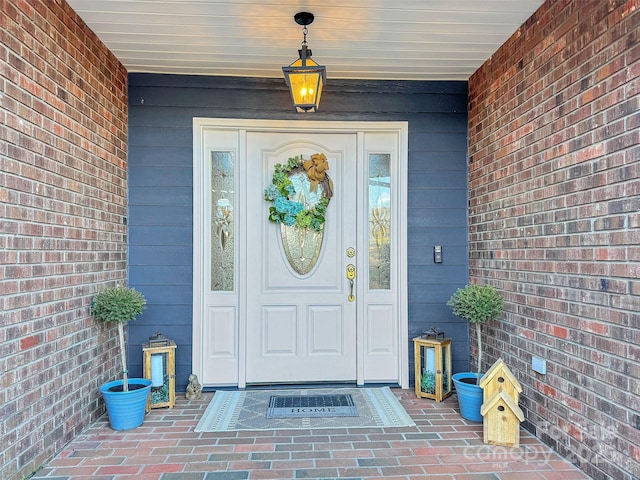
(271, 193)
(288, 220)
(288, 207)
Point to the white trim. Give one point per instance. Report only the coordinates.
(403, 299)
(199, 224)
(198, 227)
(361, 246)
(242, 263)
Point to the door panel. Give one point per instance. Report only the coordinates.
(381, 335)
(326, 327)
(279, 331)
(300, 328)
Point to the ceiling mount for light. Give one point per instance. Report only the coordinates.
(304, 18)
(305, 77)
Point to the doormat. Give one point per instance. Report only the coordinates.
(294, 406)
(247, 410)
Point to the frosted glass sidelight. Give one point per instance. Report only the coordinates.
(379, 221)
(222, 206)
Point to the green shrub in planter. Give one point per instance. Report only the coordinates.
(477, 304)
(118, 305)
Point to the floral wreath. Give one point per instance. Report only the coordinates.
(289, 206)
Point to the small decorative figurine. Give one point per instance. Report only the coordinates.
(194, 389)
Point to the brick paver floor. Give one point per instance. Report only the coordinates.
(442, 446)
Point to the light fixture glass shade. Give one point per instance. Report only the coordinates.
(306, 80)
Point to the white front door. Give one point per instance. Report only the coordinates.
(301, 327)
(258, 317)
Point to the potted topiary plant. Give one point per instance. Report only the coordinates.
(125, 399)
(477, 304)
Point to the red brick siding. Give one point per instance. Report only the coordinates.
(554, 188)
(63, 134)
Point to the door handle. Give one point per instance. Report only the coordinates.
(351, 275)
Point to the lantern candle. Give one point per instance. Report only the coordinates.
(431, 360)
(157, 371)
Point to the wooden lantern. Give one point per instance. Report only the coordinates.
(160, 368)
(432, 367)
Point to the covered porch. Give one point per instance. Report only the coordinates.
(526, 171)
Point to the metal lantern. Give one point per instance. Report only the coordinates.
(432, 367)
(305, 77)
(160, 368)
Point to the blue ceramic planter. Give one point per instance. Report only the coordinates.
(126, 409)
(469, 396)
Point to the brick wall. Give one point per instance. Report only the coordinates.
(554, 179)
(63, 133)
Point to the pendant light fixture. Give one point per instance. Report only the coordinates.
(304, 77)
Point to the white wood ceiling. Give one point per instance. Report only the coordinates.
(355, 39)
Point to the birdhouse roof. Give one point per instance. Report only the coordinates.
(500, 369)
(502, 398)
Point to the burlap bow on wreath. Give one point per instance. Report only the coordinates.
(316, 167)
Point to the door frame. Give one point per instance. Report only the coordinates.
(200, 212)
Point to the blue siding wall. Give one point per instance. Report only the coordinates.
(161, 109)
